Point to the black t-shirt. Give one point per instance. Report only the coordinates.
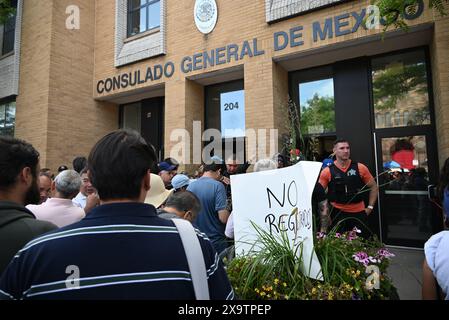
(319, 194)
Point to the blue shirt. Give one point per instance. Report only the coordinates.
(119, 251)
(212, 195)
(446, 202)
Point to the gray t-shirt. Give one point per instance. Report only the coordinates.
(212, 195)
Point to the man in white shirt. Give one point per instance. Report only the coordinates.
(60, 209)
(87, 197)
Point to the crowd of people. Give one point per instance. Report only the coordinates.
(110, 219)
(121, 249)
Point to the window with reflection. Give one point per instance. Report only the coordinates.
(9, 31)
(388, 122)
(317, 107)
(143, 15)
(7, 119)
(406, 117)
(131, 116)
(225, 112)
(313, 93)
(400, 84)
(380, 120)
(397, 118)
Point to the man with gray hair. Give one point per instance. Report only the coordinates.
(265, 164)
(60, 209)
(181, 204)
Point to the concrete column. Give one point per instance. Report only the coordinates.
(440, 76)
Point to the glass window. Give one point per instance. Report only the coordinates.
(316, 100)
(405, 183)
(388, 122)
(9, 31)
(131, 117)
(154, 16)
(399, 84)
(380, 120)
(7, 119)
(143, 15)
(397, 119)
(406, 118)
(313, 95)
(225, 111)
(215, 95)
(2, 118)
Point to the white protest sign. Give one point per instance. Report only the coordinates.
(232, 112)
(277, 200)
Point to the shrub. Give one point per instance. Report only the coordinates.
(272, 270)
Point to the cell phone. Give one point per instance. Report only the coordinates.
(432, 192)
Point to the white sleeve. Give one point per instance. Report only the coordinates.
(431, 247)
(229, 231)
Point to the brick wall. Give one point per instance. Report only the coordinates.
(266, 83)
(440, 77)
(34, 91)
(55, 108)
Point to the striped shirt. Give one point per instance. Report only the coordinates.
(119, 251)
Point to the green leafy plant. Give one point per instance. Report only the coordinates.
(272, 270)
(298, 147)
(6, 11)
(393, 10)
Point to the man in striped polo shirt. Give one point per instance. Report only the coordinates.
(121, 250)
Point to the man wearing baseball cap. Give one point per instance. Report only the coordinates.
(167, 172)
(180, 182)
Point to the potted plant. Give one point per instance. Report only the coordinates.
(353, 268)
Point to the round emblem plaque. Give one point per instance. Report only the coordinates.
(205, 14)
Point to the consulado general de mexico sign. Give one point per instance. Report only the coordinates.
(329, 28)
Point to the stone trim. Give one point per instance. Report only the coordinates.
(280, 9)
(10, 63)
(151, 45)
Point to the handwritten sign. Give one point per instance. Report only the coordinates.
(277, 201)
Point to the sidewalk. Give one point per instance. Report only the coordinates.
(406, 272)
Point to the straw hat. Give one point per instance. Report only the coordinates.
(157, 193)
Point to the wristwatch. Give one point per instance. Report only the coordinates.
(370, 207)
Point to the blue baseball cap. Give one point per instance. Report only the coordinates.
(216, 159)
(179, 181)
(327, 162)
(165, 166)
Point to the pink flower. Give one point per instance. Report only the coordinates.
(384, 253)
(362, 257)
(320, 235)
(356, 230)
(337, 235)
(297, 152)
(373, 260)
(351, 235)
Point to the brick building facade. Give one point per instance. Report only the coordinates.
(76, 84)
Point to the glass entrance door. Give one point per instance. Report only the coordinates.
(405, 171)
(406, 147)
